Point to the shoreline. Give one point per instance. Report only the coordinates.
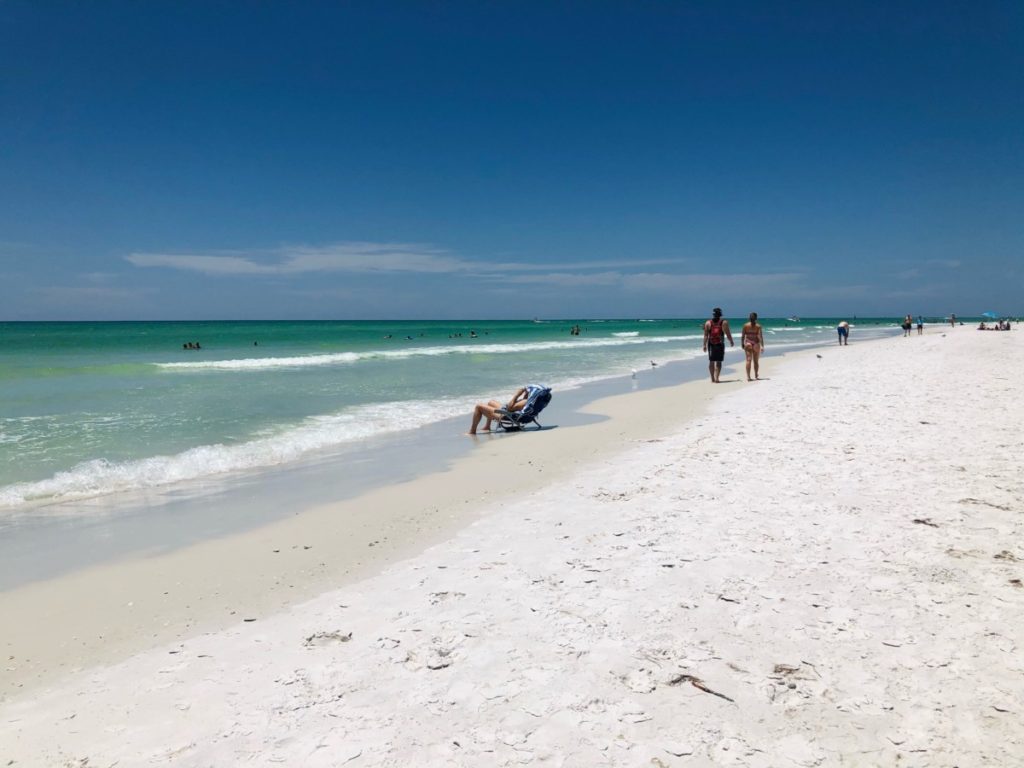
(108, 478)
(112, 609)
(148, 597)
(65, 537)
(816, 592)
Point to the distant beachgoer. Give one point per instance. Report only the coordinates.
(952, 321)
(489, 409)
(752, 335)
(908, 323)
(186, 346)
(844, 332)
(716, 330)
(920, 325)
(982, 326)
(196, 346)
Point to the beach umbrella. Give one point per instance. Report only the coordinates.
(989, 315)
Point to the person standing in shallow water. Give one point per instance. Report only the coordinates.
(716, 330)
(844, 332)
(752, 336)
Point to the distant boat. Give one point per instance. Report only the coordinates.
(793, 319)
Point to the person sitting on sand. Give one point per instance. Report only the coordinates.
(752, 336)
(489, 410)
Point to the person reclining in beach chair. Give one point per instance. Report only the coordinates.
(524, 407)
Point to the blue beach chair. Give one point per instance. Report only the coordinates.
(537, 399)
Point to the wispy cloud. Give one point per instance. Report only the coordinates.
(706, 284)
(359, 257)
(682, 285)
(561, 279)
(209, 265)
(908, 274)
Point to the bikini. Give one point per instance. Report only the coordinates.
(750, 338)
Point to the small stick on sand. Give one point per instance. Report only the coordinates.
(697, 683)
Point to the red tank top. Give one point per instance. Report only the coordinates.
(715, 332)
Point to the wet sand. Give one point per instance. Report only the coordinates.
(819, 568)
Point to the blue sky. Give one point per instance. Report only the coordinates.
(435, 160)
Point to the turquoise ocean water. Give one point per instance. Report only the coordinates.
(95, 409)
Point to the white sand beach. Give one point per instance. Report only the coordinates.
(820, 568)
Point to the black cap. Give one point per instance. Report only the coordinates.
(717, 311)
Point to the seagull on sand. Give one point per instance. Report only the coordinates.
(818, 356)
(653, 364)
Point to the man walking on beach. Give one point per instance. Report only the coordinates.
(716, 330)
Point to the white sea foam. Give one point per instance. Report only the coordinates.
(264, 363)
(627, 334)
(100, 477)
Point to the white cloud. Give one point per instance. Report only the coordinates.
(357, 257)
(562, 279)
(210, 265)
(689, 287)
(722, 283)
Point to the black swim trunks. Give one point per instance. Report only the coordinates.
(716, 352)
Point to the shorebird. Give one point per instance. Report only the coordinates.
(653, 364)
(818, 356)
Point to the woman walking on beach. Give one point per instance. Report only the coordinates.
(753, 343)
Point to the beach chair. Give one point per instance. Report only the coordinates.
(537, 400)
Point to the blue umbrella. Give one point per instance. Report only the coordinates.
(990, 315)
